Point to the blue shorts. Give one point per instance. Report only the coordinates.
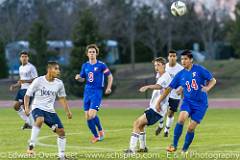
(152, 116)
(50, 119)
(92, 99)
(196, 112)
(20, 95)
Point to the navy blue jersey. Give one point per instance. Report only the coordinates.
(191, 82)
(94, 74)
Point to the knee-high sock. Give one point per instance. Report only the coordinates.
(34, 135)
(169, 123)
(188, 140)
(142, 140)
(161, 122)
(98, 123)
(61, 141)
(92, 127)
(177, 134)
(133, 141)
(22, 114)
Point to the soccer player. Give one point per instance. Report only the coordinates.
(151, 115)
(27, 73)
(196, 82)
(45, 90)
(172, 67)
(94, 73)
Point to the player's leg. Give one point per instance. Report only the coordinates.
(159, 127)
(183, 115)
(91, 123)
(173, 107)
(53, 121)
(19, 108)
(38, 116)
(138, 129)
(196, 118)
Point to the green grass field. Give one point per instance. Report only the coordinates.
(217, 135)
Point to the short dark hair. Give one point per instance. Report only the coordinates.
(160, 59)
(172, 51)
(187, 53)
(92, 46)
(52, 63)
(23, 53)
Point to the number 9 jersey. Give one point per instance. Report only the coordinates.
(94, 74)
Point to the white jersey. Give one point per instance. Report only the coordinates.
(27, 72)
(173, 71)
(45, 93)
(164, 82)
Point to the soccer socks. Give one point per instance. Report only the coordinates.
(142, 140)
(161, 123)
(92, 127)
(22, 114)
(34, 135)
(188, 140)
(177, 133)
(61, 141)
(133, 141)
(97, 123)
(169, 123)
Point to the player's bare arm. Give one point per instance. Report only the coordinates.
(152, 87)
(209, 86)
(63, 102)
(79, 78)
(15, 86)
(26, 104)
(109, 85)
(26, 81)
(162, 97)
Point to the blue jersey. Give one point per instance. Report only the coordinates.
(94, 74)
(191, 82)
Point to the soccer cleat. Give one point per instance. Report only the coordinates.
(129, 151)
(26, 126)
(30, 150)
(166, 134)
(94, 139)
(144, 150)
(171, 148)
(101, 135)
(158, 131)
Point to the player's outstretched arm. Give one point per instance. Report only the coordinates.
(153, 87)
(26, 104)
(16, 85)
(79, 78)
(162, 97)
(63, 102)
(109, 85)
(209, 86)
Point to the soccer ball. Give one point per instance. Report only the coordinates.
(178, 8)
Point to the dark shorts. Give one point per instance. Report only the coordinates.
(92, 99)
(173, 104)
(50, 119)
(152, 116)
(196, 112)
(20, 95)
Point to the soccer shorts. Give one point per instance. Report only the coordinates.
(50, 119)
(196, 112)
(20, 95)
(92, 99)
(173, 104)
(152, 116)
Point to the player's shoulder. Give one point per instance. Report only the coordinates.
(101, 62)
(57, 80)
(166, 75)
(38, 79)
(199, 67)
(179, 66)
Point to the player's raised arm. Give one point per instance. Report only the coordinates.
(152, 87)
(63, 102)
